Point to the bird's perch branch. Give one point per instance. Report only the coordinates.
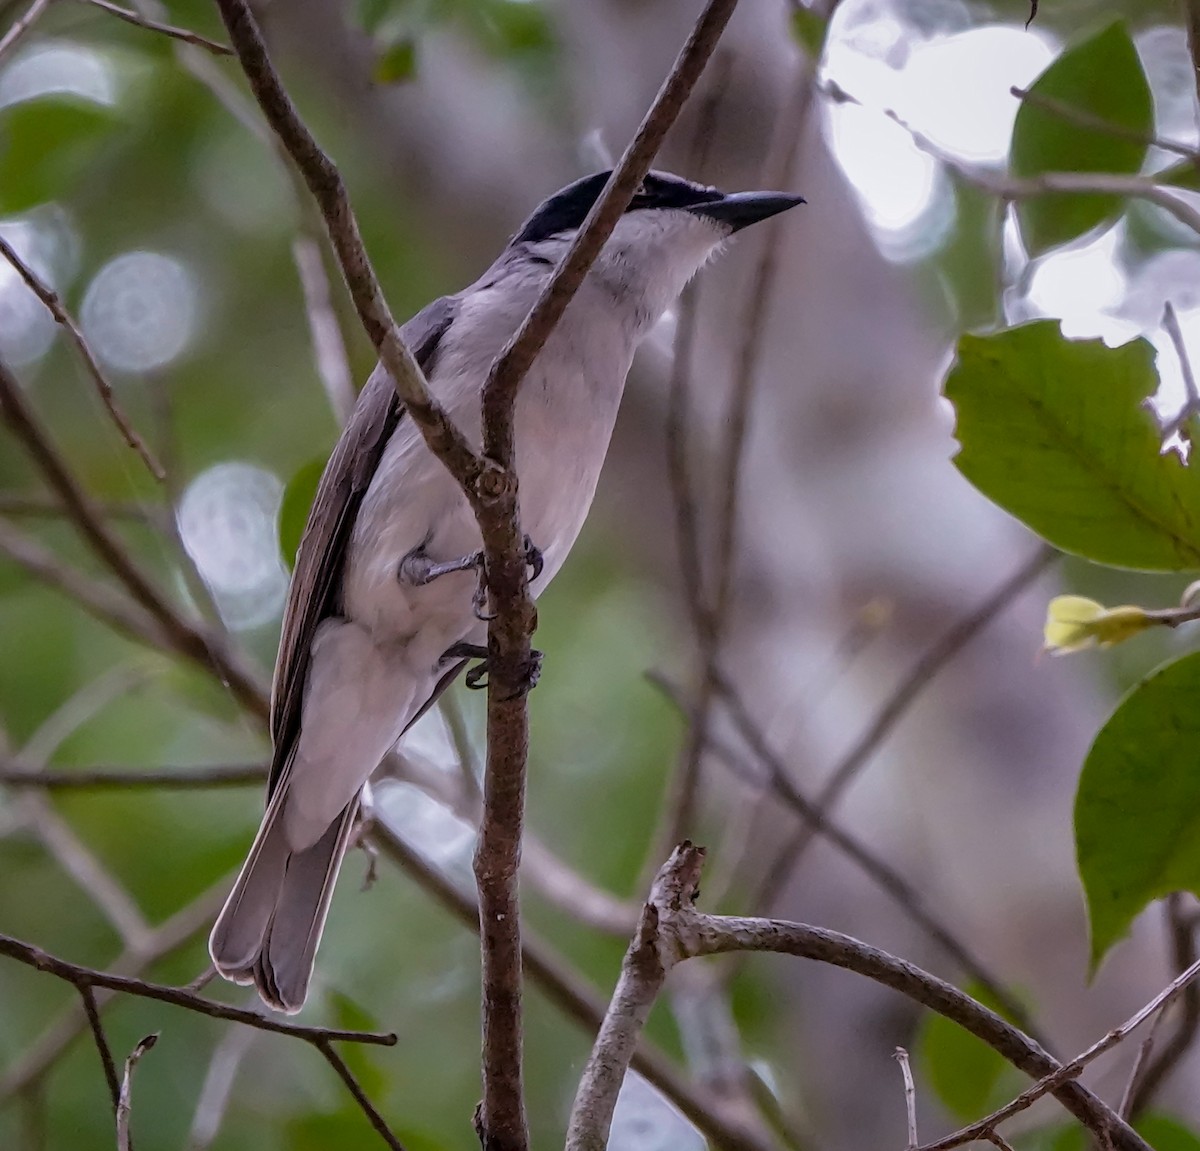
(490, 484)
(672, 930)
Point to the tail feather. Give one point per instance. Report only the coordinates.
(269, 929)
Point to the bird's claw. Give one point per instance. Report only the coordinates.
(417, 569)
(476, 678)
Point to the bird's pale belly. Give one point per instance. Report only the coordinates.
(558, 473)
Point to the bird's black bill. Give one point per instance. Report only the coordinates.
(741, 209)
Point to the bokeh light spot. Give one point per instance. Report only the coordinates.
(227, 520)
(139, 312)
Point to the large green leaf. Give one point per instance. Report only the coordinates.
(1137, 810)
(1102, 78)
(1056, 432)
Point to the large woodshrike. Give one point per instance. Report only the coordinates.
(383, 598)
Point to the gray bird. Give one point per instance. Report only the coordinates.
(384, 596)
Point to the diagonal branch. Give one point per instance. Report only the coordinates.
(672, 930)
(64, 319)
(79, 976)
(22, 25)
(184, 35)
(92, 1011)
(183, 636)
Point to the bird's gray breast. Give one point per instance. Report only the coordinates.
(564, 416)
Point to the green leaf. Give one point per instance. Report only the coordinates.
(397, 62)
(809, 30)
(962, 1070)
(1184, 174)
(1102, 78)
(1165, 1133)
(46, 146)
(1137, 810)
(293, 509)
(1056, 432)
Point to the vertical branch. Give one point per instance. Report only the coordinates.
(125, 1096)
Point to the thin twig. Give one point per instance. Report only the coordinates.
(1085, 119)
(183, 34)
(1051, 1082)
(88, 996)
(185, 638)
(1183, 954)
(897, 705)
(327, 188)
(816, 820)
(910, 1096)
(14, 774)
(684, 789)
(166, 938)
(125, 1097)
(995, 1138)
(1191, 404)
(22, 505)
(329, 348)
(99, 600)
(360, 1096)
(22, 25)
(74, 974)
(63, 318)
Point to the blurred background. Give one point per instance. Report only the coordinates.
(134, 178)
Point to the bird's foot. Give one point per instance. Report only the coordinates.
(417, 570)
(476, 677)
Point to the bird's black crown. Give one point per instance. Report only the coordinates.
(568, 208)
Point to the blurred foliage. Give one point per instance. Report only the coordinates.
(968, 1077)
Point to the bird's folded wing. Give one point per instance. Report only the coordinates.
(316, 580)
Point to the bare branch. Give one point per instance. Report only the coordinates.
(88, 996)
(184, 637)
(182, 34)
(643, 974)
(15, 774)
(910, 1097)
(22, 25)
(63, 318)
(819, 822)
(578, 1000)
(1183, 948)
(329, 349)
(360, 1096)
(679, 932)
(97, 599)
(1085, 119)
(167, 937)
(79, 976)
(325, 183)
(125, 1098)
(1053, 1081)
(1191, 405)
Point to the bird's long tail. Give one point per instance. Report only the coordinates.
(268, 930)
